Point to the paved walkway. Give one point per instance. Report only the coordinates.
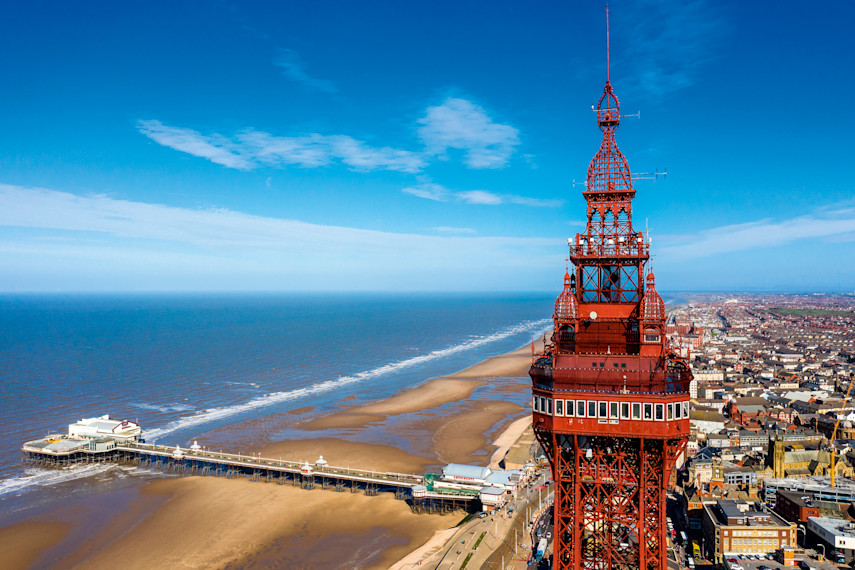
(495, 528)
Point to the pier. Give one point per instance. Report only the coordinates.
(424, 493)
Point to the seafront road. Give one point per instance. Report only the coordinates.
(498, 528)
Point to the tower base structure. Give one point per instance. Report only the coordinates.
(609, 499)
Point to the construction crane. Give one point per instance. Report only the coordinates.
(837, 425)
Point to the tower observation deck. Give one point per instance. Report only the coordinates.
(610, 397)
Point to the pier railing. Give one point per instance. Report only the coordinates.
(283, 464)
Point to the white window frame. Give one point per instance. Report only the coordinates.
(636, 406)
(549, 406)
(659, 412)
(558, 404)
(614, 406)
(592, 404)
(584, 408)
(644, 412)
(570, 408)
(685, 410)
(602, 413)
(628, 407)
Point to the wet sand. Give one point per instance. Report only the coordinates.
(341, 453)
(21, 544)
(196, 522)
(219, 523)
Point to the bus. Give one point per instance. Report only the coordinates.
(696, 549)
(541, 549)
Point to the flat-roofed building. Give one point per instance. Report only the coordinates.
(818, 487)
(738, 527)
(837, 535)
(795, 507)
(738, 475)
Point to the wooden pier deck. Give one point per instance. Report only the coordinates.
(415, 489)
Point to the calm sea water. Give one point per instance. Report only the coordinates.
(184, 364)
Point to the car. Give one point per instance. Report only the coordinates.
(549, 535)
(763, 567)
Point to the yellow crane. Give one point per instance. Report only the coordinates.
(837, 425)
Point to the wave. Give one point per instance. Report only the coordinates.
(277, 397)
(165, 408)
(35, 477)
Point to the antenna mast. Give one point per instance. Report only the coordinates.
(608, 44)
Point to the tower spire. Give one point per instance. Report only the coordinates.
(608, 49)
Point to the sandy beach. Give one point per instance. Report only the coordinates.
(22, 543)
(472, 416)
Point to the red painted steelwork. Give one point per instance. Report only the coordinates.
(610, 397)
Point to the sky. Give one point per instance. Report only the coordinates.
(418, 146)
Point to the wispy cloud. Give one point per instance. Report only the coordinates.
(831, 224)
(294, 68)
(451, 230)
(456, 123)
(533, 201)
(251, 149)
(51, 209)
(216, 148)
(480, 197)
(429, 191)
(439, 193)
(463, 125)
(668, 43)
(103, 243)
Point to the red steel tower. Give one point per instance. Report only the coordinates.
(611, 399)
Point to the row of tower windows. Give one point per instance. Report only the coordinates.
(647, 411)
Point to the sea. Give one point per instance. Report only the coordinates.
(185, 364)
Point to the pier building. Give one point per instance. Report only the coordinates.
(104, 426)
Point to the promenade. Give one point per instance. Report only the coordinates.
(490, 542)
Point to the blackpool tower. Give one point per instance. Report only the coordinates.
(610, 397)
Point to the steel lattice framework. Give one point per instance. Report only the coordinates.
(610, 397)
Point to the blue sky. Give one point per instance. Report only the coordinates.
(417, 146)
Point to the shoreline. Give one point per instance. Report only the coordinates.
(470, 416)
